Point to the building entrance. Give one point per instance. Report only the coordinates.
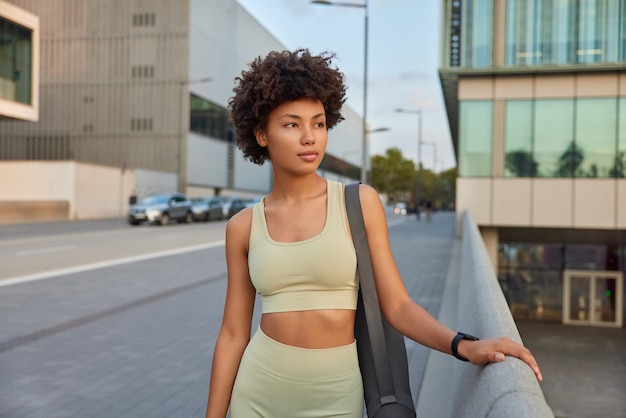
(593, 297)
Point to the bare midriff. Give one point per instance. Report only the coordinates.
(326, 328)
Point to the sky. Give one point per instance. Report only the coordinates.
(403, 59)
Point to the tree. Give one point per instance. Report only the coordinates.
(393, 175)
(521, 163)
(447, 194)
(619, 168)
(570, 161)
(396, 176)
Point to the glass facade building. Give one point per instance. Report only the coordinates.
(535, 92)
(540, 32)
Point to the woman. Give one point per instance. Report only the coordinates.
(294, 249)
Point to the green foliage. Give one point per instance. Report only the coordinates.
(619, 167)
(521, 163)
(393, 175)
(570, 161)
(397, 177)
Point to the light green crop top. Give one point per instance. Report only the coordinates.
(317, 273)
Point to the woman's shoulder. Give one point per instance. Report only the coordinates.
(239, 225)
(371, 205)
(368, 194)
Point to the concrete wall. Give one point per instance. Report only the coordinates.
(62, 190)
(506, 389)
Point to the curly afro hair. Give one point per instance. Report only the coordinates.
(278, 78)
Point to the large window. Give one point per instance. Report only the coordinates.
(210, 119)
(476, 33)
(596, 124)
(541, 32)
(565, 138)
(475, 138)
(15, 62)
(553, 138)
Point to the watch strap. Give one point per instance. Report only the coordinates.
(455, 344)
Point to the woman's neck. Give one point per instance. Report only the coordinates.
(301, 188)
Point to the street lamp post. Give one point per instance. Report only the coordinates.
(364, 149)
(417, 112)
(181, 160)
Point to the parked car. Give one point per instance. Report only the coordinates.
(161, 209)
(231, 205)
(207, 209)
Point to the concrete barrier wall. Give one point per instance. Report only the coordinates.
(506, 389)
(101, 192)
(62, 190)
(29, 211)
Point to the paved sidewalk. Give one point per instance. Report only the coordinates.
(423, 252)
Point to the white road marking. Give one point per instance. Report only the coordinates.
(46, 250)
(109, 263)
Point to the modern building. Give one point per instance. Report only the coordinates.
(133, 97)
(535, 92)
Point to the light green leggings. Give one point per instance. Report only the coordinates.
(280, 381)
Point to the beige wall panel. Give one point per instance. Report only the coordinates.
(554, 86)
(596, 85)
(512, 202)
(513, 88)
(594, 203)
(552, 202)
(474, 195)
(475, 88)
(621, 204)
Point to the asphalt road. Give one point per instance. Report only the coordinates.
(30, 251)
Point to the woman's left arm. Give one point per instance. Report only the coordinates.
(408, 317)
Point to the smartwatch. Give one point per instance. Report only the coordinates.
(455, 343)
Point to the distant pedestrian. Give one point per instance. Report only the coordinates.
(133, 198)
(429, 210)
